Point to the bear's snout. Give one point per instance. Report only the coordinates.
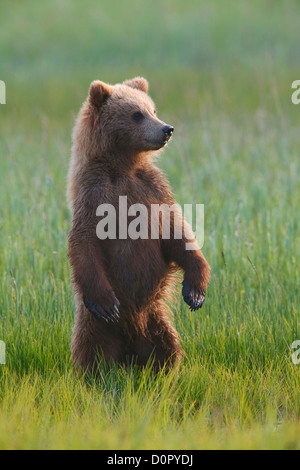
(168, 131)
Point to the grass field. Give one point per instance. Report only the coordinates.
(222, 76)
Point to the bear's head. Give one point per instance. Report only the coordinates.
(119, 120)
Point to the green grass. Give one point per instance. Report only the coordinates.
(223, 77)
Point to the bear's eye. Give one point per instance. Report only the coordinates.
(138, 116)
(154, 111)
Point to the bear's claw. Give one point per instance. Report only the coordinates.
(102, 313)
(192, 296)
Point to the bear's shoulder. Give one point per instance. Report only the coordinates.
(153, 179)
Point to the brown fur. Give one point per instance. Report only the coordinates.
(111, 157)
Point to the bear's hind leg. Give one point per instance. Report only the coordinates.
(93, 340)
(160, 345)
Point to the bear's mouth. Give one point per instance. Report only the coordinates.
(166, 140)
(157, 144)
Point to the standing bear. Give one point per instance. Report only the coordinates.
(120, 281)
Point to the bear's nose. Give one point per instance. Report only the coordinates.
(168, 131)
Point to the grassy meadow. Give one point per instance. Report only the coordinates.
(221, 74)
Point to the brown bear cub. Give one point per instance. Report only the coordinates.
(121, 281)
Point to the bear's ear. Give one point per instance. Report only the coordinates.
(99, 92)
(139, 83)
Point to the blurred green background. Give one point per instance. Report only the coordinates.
(221, 73)
(195, 53)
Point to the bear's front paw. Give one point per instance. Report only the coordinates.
(104, 312)
(192, 296)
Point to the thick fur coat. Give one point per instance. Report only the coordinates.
(120, 283)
